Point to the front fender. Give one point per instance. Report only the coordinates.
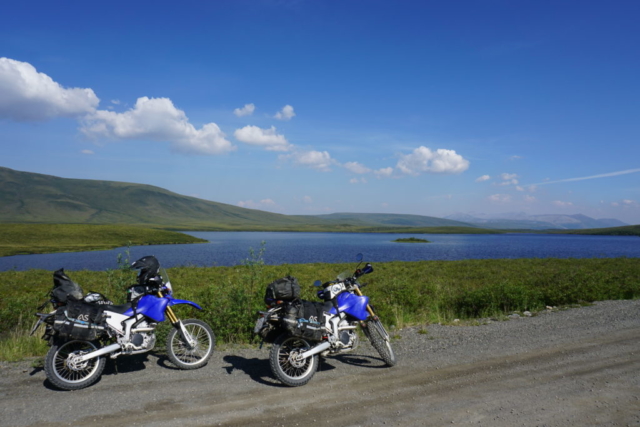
(184, 301)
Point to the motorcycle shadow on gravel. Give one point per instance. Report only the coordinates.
(361, 360)
(132, 363)
(259, 369)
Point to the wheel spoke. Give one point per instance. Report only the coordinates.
(66, 371)
(187, 356)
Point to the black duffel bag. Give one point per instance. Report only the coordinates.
(65, 289)
(79, 320)
(304, 319)
(285, 289)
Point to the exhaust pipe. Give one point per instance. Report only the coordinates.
(315, 350)
(99, 352)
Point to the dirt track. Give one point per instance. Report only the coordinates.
(569, 368)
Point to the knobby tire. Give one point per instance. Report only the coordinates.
(67, 377)
(377, 335)
(292, 373)
(185, 357)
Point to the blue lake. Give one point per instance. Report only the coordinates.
(233, 248)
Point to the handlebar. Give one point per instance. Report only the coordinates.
(368, 268)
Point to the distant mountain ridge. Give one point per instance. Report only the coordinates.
(520, 221)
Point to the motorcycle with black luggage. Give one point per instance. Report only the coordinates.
(82, 330)
(300, 331)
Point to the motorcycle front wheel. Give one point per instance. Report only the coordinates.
(195, 356)
(379, 339)
(286, 366)
(68, 374)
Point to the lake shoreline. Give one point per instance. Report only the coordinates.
(277, 248)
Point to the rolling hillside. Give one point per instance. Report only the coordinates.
(392, 220)
(35, 198)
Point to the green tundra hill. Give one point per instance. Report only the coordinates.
(392, 220)
(36, 198)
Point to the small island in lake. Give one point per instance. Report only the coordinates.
(411, 240)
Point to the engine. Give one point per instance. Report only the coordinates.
(142, 341)
(143, 338)
(347, 339)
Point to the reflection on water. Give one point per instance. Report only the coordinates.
(233, 248)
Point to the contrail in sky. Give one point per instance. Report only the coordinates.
(604, 175)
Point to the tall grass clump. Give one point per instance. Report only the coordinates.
(16, 343)
(231, 303)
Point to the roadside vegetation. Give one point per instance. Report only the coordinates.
(17, 239)
(404, 293)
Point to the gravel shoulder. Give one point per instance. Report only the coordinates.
(571, 367)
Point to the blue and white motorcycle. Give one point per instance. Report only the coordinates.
(300, 331)
(82, 333)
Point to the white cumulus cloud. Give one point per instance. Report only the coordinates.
(27, 95)
(384, 172)
(483, 178)
(267, 138)
(500, 198)
(320, 160)
(247, 110)
(286, 113)
(356, 167)
(424, 160)
(157, 119)
(509, 179)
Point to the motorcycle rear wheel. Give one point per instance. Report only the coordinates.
(289, 371)
(60, 369)
(186, 357)
(379, 339)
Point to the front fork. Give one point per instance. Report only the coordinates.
(186, 337)
(376, 325)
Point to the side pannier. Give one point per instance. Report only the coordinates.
(79, 321)
(285, 289)
(305, 319)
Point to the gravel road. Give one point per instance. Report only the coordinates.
(574, 367)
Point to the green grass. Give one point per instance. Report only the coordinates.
(18, 239)
(411, 240)
(404, 293)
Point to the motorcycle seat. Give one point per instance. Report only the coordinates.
(118, 308)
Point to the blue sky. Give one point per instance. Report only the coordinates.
(311, 107)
